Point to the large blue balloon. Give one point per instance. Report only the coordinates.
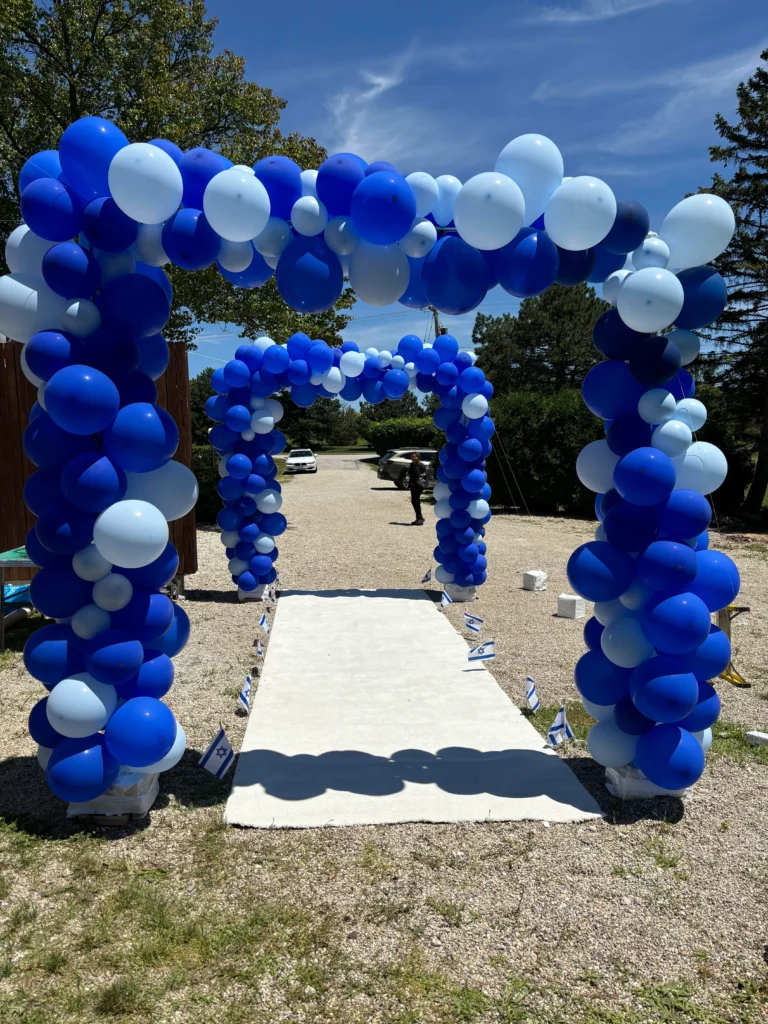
(717, 580)
(174, 152)
(41, 490)
(705, 296)
(57, 592)
(189, 240)
(49, 351)
(146, 616)
(106, 226)
(81, 400)
(45, 164)
(159, 275)
(51, 210)
(682, 385)
(645, 476)
(136, 387)
(677, 624)
(711, 657)
(599, 680)
(49, 447)
(670, 757)
(70, 271)
(629, 228)
(158, 573)
(143, 437)
(629, 719)
(600, 572)
(414, 296)
(454, 276)
(705, 711)
(630, 527)
(133, 306)
(113, 656)
(79, 770)
(395, 383)
(64, 529)
(257, 273)
(668, 566)
(574, 265)
(609, 390)
(337, 178)
(154, 678)
(175, 638)
(92, 482)
(140, 732)
(86, 150)
(40, 729)
(613, 339)
(605, 263)
(628, 432)
(112, 355)
(655, 362)
(41, 556)
(383, 207)
(53, 653)
(281, 177)
(527, 265)
(197, 167)
(685, 515)
(309, 275)
(662, 690)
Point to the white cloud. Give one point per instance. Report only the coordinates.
(596, 10)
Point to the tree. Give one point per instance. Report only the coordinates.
(200, 391)
(149, 66)
(741, 333)
(326, 422)
(406, 407)
(547, 347)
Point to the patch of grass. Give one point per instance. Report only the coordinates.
(467, 1004)
(122, 997)
(430, 860)
(374, 862)
(16, 637)
(729, 740)
(387, 913)
(662, 857)
(578, 719)
(452, 913)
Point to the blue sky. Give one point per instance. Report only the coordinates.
(628, 90)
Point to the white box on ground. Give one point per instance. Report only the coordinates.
(460, 594)
(758, 739)
(135, 798)
(259, 594)
(569, 606)
(535, 579)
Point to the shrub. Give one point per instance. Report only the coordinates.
(205, 466)
(404, 433)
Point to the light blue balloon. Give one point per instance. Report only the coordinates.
(598, 711)
(379, 274)
(171, 759)
(535, 163)
(80, 706)
(609, 746)
(704, 737)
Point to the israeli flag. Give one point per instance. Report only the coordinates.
(272, 594)
(472, 622)
(484, 652)
(245, 694)
(559, 731)
(427, 576)
(530, 692)
(219, 756)
(259, 649)
(445, 600)
(263, 622)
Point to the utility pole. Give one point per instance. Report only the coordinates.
(438, 329)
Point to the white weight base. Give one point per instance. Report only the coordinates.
(571, 607)
(535, 580)
(460, 594)
(136, 798)
(252, 595)
(630, 784)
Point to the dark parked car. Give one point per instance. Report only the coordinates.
(394, 466)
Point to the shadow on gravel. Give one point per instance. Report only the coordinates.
(623, 812)
(217, 596)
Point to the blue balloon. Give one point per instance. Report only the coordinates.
(717, 580)
(176, 153)
(158, 573)
(606, 262)
(189, 240)
(154, 678)
(682, 385)
(230, 489)
(600, 572)
(81, 400)
(383, 207)
(395, 383)
(352, 389)
(70, 271)
(380, 165)
(49, 351)
(704, 712)
(64, 529)
(175, 639)
(668, 566)
(705, 295)
(629, 229)
(446, 347)
(237, 374)
(613, 339)
(45, 164)
(136, 387)
(593, 630)
(260, 565)
(239, 466)
(57, 592)
(250, 355)
(574, 265)
(140, 732)
(146, 616)
(629, 719)
(274, 523)
(42, 490)
(677, 624)
(427, 361)
(320, 357)
(408, 347)
(685, 515)
(79, 770)
(414, 296)
(471, 379)
(609, 390)
(281, 177)
(599, 680)
(671, 757)
(112, 355)
(663, 690)
(106, 226)
(628, 432)
(53, 653)
(222, 438)
(257, 273)
(40, 729)
(454, 276)
(276, 359)
(711, 657)
(655, 362)
(374, 392)
(630, 527)
(197, 167)
(113, 656)
(309, 275)
(86, 150)
(51, 210)
(527, 265)
(49, 447)
(41, 556)
(133, 306)
(299, 345)
(337, 178)
(304, 395)
(645, 476)
(299, 371)
(143, 437)
(158, 275)
(92, 483)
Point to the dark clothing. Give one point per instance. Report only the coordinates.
(416, 502)
(417, 480)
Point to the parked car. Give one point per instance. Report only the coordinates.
(394, 466)
(301, 460)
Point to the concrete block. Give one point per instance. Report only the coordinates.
(535, 579)
(571, 607)
(759, 739)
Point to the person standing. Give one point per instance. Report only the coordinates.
(417, 481)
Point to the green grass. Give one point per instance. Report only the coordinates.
(578, 719)
(729, 740)
(451, 913)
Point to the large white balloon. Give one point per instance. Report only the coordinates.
(688, 344)
(580, 213)
(24, 251)
(351, 363)
(27, 305)
(309, 216)
(379, 274)
(489, 210)
(112, 592)
(534, 162)
(274, 239)
(235, 256)
(650, 299)
(607, 612)
(425, 191)
(697, 230)
(443, 509)
(269, 500)
(172, 489)
(442, 575)
(131, 533)
(598, 711)
(236, 205)
(340, 236)
(613, 283)
(609, 746)
(333, 380)
(274, 408)
(262, 422)
(89, 565)
(149, 245)
(81, 318)
(703, 468)
(624, 643)
(479, 508)
(80, 705)
(448, 188)
(634, 597)
(652, 253)
(672, 437)
(474, 407)
(145, 183)
(89, 621)
(595, 465)
(420, 240)
(692, 412)
(656, 405)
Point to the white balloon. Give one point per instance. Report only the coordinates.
(316, 378)
(580, 213)
(235, 256)
(489, 210)
(379, 274)
(634, 597)
(703, 468)
(372, 352)
(692, 412)
(81, 318)
(598, 711)
(145, 183)
(35, 381)
(257, 402)
(443, 509)
(420, 240)
(89, 621)
(609, 746)
(534, 162)
(688, 345)
(149, 245)
(656, 405)
(80, 705)
(697, 230)
(595, 465)
(410, 369)
(442, 575)
(448, 188)
(269, 500)
(385, 358)
(112, 592)
(673, 437)
(275, 409)
(89, 564)
(43, 756)
(441, 491)
(397, 363)
(607, 612)
(172, 489)
(308, 183)
(652, 253)
(340, 236)
(24, 251)
(237, 565)
(474, 407)
(333, 380)
(262, 422)
(229, 538)
(309, 216)
(41, 394)
(600, 533)
(478, 508)
(703, 738)
(650, 299)
(27, 305)
(248, 435)
(131, 533)
(264, 343)
(425, 191)
(264, 544)
(613, 283)
(274, 239)
(236, 205)
(624, 643)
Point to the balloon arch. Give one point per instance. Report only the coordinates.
(90, 314)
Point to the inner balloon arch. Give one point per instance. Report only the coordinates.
(88, 299)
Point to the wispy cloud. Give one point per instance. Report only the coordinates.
(596, 10)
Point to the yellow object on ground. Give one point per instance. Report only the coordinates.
(724, 619)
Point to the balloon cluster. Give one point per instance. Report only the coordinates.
(245, 439)
(90, 313)
(654, 581)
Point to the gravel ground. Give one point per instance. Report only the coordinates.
(653, 914)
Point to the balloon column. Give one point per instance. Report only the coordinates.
(245, 439)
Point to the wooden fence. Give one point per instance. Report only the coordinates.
(17, 396)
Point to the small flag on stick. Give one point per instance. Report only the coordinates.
(263, 622)
(245, 694)
(259, 649)
(445, 600)
(219, 756)
(560, 730)
(427, 576)
(530, 692)
(472, 622)
(484, 652)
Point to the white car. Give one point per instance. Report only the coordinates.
(301, 460)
